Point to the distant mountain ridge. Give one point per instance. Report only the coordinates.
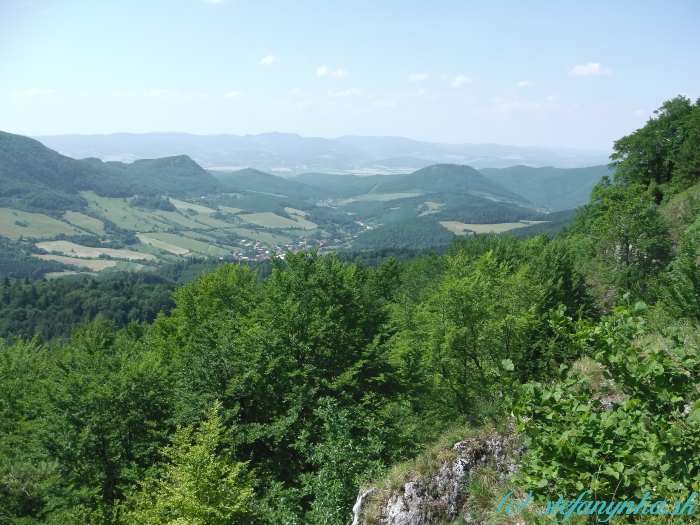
(289, 153)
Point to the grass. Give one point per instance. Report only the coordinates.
(269, 238)
(96, 265)
(271, 220)
(187, 243)
(292, 211)
(85, 222)
(432, 208)
(379, 197)
(38, 225)
(75, 250)
(460, 228)
(182, 205)
(120, 213)
(163, 245)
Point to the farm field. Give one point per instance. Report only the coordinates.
(38, 225)
(85, 222)
(382, 197)
(271, 220)
(189, 245)
(96, 265)
(228, 209)
(163, 245)
(265, 237)
(460, 228)
(75, 250)
(182, 205)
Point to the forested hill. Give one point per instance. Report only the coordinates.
(554, 188)
(447, 178)
(34, 177)
(177, 176)
(255, 180)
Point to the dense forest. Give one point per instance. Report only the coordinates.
(271, 394)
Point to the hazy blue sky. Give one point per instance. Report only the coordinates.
(552, 73)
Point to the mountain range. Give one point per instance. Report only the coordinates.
(288, 153)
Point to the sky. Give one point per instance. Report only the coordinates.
(575, 74)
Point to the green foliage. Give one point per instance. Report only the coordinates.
(554, 188)
(422, 232)
(645, 438)
(51, 309)
(197, 485)
(16, 261)
(627, 236)
(651, 155)
(152, 203)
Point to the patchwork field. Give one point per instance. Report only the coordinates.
(380, 197)
(85, 222)
(271, 220)
(75, 250)
(188, 244)
(460, 228)
(228, 209)
(172, 248)
(182, 205)
(269, 238)
(14, 223)
(96, 265)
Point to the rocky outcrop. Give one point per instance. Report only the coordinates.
(439, 497)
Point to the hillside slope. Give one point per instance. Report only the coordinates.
(255, 180)
(33, 177)
(555, 188)
(178, 176)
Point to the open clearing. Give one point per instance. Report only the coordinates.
(432, 208)
(266, 237)
(379, 197)
(182, 205)
(270, 220)
(228, 209)
(85, 221)
(96, 265)
(75, 250)
(56, 275)
(191, 245)
(38, 225)
(177, 250)
(292, 211)
(459, 228)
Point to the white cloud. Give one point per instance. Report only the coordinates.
(34, 93)
(459, 80)
(162, 93)
(268, 60)
(346, 93)
(323, 71)
(524, 83)
(384, 103)
(232, 94)
(588, 70)
(553, 98)
(417, 77)
(297, 92)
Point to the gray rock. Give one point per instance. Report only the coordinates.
(440, 496)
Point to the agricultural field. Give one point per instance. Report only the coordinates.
(270, 220)
(96, 265)
(76, 250)
(16, 223)
(85, 222)
(163, 245)
(381, 197)
(188, 244)
(460, 228)
(432, 208)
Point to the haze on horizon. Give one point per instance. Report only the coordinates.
(572, 75)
